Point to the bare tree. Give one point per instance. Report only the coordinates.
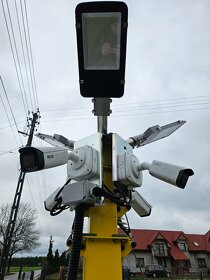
(25, 237)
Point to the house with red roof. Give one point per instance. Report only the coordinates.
(176, 250)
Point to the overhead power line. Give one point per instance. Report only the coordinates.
(15, 58)
(27, 51)
(7, 126)
(27, 82)
(141, 102)
(22, 47)
(8, 152)
(7, 114)
(131, 109)
(31, 55)
(10, 107)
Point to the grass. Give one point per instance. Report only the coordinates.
(14, 269)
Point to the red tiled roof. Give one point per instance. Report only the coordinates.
(207, 235)
(177, 254)
(196, 242)
(144, 237)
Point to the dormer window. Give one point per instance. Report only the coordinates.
(160, 248)
(182, 246)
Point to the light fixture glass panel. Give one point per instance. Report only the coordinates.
(101, 40)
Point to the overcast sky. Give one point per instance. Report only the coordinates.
(167, 79)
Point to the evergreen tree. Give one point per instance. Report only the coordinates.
(51, 267)
(56, 259)
(50, 256)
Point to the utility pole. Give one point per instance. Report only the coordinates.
(15, 207)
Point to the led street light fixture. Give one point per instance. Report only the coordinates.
(106, 54)
(56, 140)
(101, 43)
(154, 133)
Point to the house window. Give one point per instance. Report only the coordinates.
(140, 262)
(201, 263)
(183, 247)
(159, 248)
(162, 262)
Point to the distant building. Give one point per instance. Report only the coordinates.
(175, 250)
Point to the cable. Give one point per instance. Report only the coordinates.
(138, 262)
(20, 78)
(129, 235)
(7, 114)
(21, 40)
(32, 63)
(130, 112)
(27, 51)
(84, 110)
(59, 207)
(32, 199)
(42, 190)
(9, 126)
(122, 189)
(163, 112)
(10, 108)
(15, 54)
(7, 152)
(169, 105)
(129, 104)
(164, 100)
(97, 191)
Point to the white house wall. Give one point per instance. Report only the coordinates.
(130, 261)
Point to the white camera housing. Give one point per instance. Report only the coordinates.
(169, 173)
(79, 193)
(127, 170)
(89, 167)
(140, 205)
(83, 163)
(50, 202)
(35, 159)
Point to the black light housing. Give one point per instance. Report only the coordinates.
(101, 43)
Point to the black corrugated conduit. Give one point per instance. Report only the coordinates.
(76, 243)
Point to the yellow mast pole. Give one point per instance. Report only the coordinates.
(103, 246)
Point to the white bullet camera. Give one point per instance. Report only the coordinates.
(169, 173)
(51, 201)
(140, 205)
(35, 159)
